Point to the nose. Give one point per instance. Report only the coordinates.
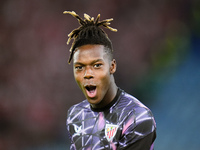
(88, 74)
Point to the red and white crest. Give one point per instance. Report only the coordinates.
(110, 131)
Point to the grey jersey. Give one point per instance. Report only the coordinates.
(119, 125)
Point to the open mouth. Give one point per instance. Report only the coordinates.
(91, 90)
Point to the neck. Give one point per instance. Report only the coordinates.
(113, 89)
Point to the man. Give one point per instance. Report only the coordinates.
(109, 118)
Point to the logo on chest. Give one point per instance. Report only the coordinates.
(77, 129)
(110, 131)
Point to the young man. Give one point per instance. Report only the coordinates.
(109, 118)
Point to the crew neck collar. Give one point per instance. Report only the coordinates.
(119, 91)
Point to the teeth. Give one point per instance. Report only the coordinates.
(91, 91)
(90, 88)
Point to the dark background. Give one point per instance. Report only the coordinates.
(157, 48)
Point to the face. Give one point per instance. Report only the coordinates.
(93, 72)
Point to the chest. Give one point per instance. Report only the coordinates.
(95, 130)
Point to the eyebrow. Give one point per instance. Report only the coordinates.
(93, 62)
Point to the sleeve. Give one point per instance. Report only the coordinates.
(145, 143)
(72, 146)
(139, 131)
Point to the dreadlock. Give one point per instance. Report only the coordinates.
(89, 32)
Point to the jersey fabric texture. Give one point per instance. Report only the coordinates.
(123, 124)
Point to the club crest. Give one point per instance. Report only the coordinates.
(110, 131)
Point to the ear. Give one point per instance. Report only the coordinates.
(113, 66)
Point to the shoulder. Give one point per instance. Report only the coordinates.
(137, 115)
(84, 105)
(132, 104)
(138, 120)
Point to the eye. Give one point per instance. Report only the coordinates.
(97, 65)
(79, 68)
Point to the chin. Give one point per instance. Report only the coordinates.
(94, 101)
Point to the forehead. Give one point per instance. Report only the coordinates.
(89, 53)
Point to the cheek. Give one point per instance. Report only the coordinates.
(77, 78)
(104, 78)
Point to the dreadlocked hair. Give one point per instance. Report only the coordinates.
(89, 32)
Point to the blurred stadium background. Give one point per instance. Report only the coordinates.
(157, 48)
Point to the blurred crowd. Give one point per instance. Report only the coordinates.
(36, 83)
